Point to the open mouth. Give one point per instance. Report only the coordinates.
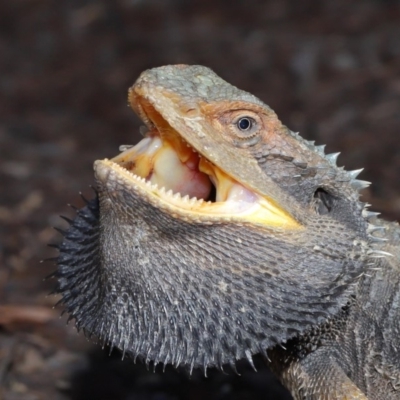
(176, 176)
(182, 176)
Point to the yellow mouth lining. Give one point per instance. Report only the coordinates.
(232, 201)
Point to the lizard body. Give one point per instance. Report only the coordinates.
(223, 234)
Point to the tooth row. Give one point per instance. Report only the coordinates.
(168, 193)
(178, 197)
(150, 185)
(175, 196)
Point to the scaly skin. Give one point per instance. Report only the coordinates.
(308, 277)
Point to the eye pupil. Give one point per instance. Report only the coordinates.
(244, 124)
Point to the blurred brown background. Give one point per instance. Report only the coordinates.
(330, 69)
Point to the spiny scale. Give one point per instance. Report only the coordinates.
(369, 214)
(359, 185)
(353, 174)
(332, 158)
(379, 253)
(321, 149)
(374, 228)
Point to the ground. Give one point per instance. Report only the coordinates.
(331, 70)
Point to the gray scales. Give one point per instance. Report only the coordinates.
(277, 256)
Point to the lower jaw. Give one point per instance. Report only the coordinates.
(191, 210)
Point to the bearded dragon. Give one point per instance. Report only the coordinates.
(223, 234)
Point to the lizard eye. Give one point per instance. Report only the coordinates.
(245, 123)
(247, 126)
(244, 127)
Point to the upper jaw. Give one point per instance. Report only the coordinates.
(192, 116)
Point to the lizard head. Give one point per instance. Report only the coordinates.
(219, 235)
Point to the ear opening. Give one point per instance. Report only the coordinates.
(323, 201)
